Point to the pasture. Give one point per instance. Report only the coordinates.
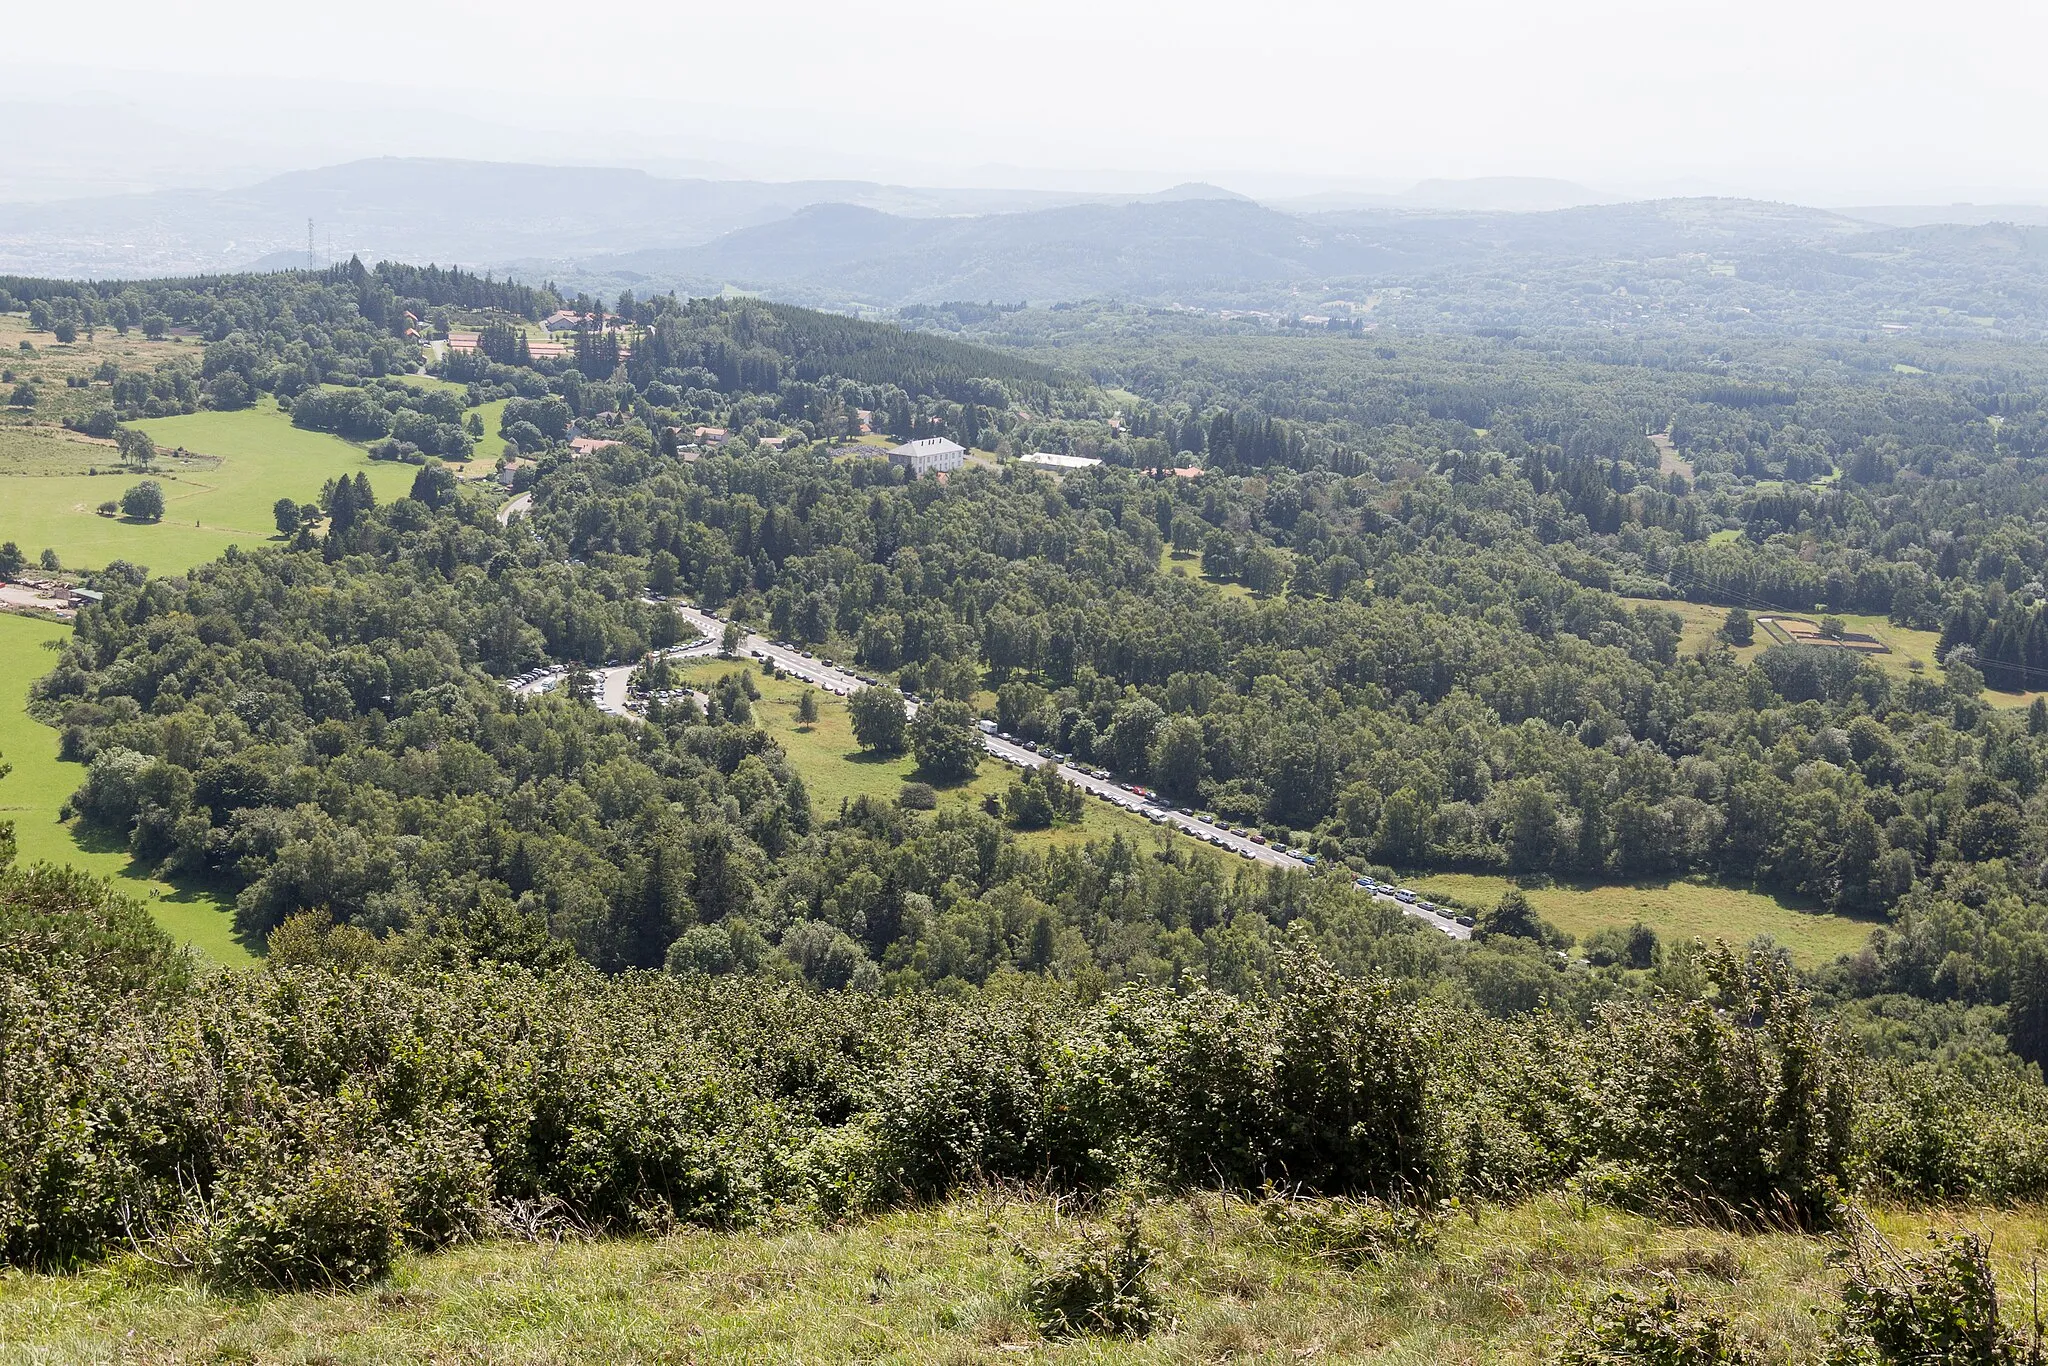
(1676, 910)
(946, 1283)
(221, 495)
(38, 782)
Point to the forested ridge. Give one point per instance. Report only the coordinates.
(1415, 612)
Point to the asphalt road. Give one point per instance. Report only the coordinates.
(513, 508)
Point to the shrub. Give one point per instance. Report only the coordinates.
(1735, 1108)
(290, 1220)
(1350, 1233)
(1939, 1306)
(1327, 1086)
(980, 1096)
(1102, 1286)
(440, 1173)
(1637, 1328)
(918, 797)
(90, 1097)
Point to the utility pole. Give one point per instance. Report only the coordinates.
(312, 259)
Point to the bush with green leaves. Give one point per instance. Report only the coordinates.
(1101, 1286)
(1941, 1305)
(1653, 1328)
(300, 1124)
(293, 1217)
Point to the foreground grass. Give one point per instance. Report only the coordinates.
(944, 1285)
(1677, 910)
(39, 782)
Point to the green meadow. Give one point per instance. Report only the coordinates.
(946, 1283)
(1678, 910)
(37, 783)
(250, 459)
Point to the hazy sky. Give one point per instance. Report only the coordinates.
(1823, 102)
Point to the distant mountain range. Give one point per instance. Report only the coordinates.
(865, 245)
(1188, 248)
(474, 213)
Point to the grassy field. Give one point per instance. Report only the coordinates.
(50, 363)
(1908, 651)
(945, 1285)
(490, 445)
(29, 450)
(1188, 564)
(1702, 628)
(836, 769)
(1669, 461)
(39, 782)
(1677, 911)
(251, 459)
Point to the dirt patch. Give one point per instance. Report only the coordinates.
(1800, 631)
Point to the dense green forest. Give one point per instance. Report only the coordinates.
(1424, 606)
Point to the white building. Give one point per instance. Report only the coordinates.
(1050, 461)
(928, 455)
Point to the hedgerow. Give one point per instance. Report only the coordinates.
(302, 1124)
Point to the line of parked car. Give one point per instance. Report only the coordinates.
(1151, 804)
(1408, 897)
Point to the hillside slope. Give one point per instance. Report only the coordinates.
(948, 1284)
